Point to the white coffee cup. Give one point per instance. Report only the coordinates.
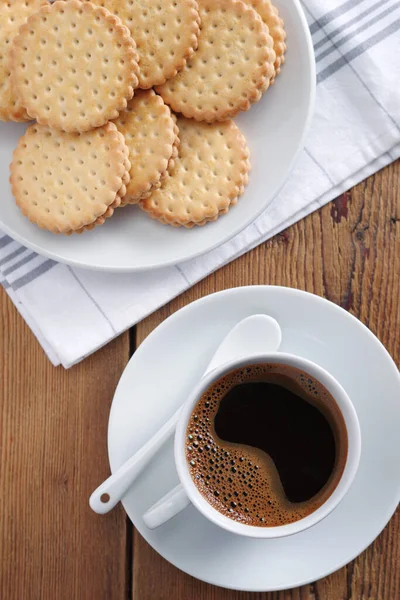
(186, 492)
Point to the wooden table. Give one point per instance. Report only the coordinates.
(54, 422)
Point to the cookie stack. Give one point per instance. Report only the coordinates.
(103, 137)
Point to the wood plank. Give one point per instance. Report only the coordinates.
(348, 252)
(53, 448)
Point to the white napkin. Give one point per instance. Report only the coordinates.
(355, 132)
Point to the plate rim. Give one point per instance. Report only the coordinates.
(385, 518)
(53, 255)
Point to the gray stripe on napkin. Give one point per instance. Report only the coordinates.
(358, 50)
(12, 255)
(333, 14)
(362, 28)
(356, 75)
(5, 240)
(34, 274)
(356, 19)
(20, 263)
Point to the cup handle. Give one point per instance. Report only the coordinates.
(259, 332)
(170, 505)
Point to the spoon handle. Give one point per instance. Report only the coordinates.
(110, 492)
(257, 333)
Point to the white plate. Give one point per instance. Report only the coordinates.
(162, 372)
(131, 241)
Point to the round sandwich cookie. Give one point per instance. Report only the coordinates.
(126, 199)
(208, 176)
(68, 182)
(127, 165)
(151, 137)
(74, 66)
(13, 14)
(165, 31)
(233, 65)
(270, 15)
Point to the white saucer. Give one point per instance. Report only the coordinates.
(275, 128)
(158, 379)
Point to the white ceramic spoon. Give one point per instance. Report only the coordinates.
(255, 334)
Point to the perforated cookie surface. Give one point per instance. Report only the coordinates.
(127, 200)
(66, 181)
(233, 64)
(270, 15)
(149, 132)
(74, 66)
(165, 32)
(208, 176)
(13, 14)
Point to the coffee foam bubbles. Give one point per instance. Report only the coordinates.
(239, 481)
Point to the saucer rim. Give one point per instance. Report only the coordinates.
(383, 518)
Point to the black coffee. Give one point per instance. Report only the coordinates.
(266, 445)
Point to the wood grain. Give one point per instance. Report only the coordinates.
(53, 454)
(348, 252)
(54, 422)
